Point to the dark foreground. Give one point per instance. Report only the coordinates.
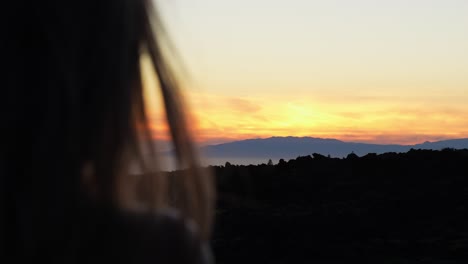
(389, 208)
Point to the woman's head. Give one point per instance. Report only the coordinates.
(72, 108)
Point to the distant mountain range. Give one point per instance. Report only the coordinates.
(291, 147)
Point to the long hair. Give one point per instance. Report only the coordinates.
(72, 113)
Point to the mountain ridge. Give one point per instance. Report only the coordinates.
(291, 147)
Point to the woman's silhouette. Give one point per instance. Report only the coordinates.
(72, 119)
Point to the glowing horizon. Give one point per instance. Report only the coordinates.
(367, 71)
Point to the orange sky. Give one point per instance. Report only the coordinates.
(370, 71)
(377, 119)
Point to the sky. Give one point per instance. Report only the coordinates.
(363, 70)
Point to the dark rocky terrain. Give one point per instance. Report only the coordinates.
(388, 208)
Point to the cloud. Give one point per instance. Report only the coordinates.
(243, 105)
(371, 119)
(350, 115)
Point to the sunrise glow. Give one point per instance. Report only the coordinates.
(368, 71)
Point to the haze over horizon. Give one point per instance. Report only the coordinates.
(213, 143)
(258, 151)
(361, 71)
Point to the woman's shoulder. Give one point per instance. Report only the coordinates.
(173, 238)
(142, 237)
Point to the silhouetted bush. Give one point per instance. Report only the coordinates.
(389, 208)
